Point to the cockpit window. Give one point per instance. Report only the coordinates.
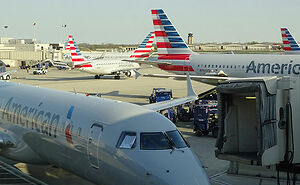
(127, 140)
(155, 141)
(177, 139)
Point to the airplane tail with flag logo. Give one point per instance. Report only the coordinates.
(289, 43)
(144, 49)
(75, 52)
(170, 45)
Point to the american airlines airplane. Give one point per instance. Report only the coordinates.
(289, 43)
(105, 141)
(174, 56)
(111, 67)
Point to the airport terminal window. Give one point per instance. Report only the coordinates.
(177, 139)
(154, 141)
(127, 140)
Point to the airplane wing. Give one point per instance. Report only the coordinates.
(192, 77)
(124, 69)
(150, 61)
(191, 96)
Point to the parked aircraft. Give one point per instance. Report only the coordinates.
(105, 141)
(175, 56)
(111, 66)
(290, 45)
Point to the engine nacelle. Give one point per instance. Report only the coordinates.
(130, 73)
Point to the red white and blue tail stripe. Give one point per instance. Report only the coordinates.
(170, 45)
(144, 48)
(75, 52)
(67, 44)
(289, 43)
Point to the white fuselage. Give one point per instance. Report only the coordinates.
(107, 67)
(81, 134)
(241, 65)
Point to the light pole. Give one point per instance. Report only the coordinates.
(33, 27)
(64, 27)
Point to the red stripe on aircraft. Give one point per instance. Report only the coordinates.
(168, 67)
(157, 22)
(287, 48)
(163, 45)
(160, 34)
(282, 29)
(283, 35)
(154, 12)
(73, 54)
(174, 56)
(148, 46)
(286, 42)
(77, 59)
(83, 66)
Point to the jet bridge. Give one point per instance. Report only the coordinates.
(259, 122)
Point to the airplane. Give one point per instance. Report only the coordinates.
(289, 43)
(67, 57)
(102, 140)
(110, 66)
(174, 56)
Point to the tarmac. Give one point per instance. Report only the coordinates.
(134, 91)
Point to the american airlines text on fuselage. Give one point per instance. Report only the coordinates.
(31, 117)
(265, 68)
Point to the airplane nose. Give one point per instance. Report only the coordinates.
(180, 167)
(189, 171)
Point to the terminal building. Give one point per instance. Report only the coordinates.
(18, 52)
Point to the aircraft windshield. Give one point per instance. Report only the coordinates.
(176, 139)
(155, 141)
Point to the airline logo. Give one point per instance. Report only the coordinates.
(68, 127)
(289, 43)
(75, 52)
(144, 48)
(170, 45)
(67, 45)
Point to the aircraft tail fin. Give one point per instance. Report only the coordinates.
(170, 45)
(289, 43)
(75, 52)
(144, 49)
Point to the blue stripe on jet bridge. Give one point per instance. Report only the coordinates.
(163, 16)
(166, 22)
(178, 45)
(175, 39)
(172, 34)
(169, 28)
(69, 115)
(160, 11)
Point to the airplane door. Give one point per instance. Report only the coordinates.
(93, 144)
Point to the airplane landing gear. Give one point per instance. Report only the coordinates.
(97, 76)
(117, 77)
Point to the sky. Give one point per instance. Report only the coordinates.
(129, 21)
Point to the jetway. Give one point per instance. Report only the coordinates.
(259, 123)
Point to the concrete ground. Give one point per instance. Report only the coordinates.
(134, 91)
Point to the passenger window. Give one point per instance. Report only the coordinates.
(204, 65)
(208, 66)
(127, 140)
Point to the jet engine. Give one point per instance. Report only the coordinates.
(130, 73)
